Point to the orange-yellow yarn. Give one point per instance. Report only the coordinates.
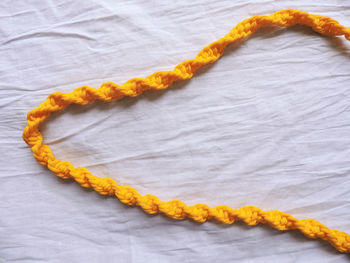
(161, 80)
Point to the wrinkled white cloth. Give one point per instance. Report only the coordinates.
(267, 125)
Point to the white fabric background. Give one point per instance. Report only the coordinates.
(266, 125)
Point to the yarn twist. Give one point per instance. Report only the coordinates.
(161, 80)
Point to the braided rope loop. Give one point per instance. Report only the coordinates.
(161, 80)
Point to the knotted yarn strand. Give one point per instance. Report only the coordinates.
(161, 80)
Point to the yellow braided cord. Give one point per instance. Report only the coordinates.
(161, 80)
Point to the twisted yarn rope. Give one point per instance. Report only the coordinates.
(161, 80)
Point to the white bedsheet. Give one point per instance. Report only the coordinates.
(266, 125)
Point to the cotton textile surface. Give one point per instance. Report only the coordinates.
(266, 125)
